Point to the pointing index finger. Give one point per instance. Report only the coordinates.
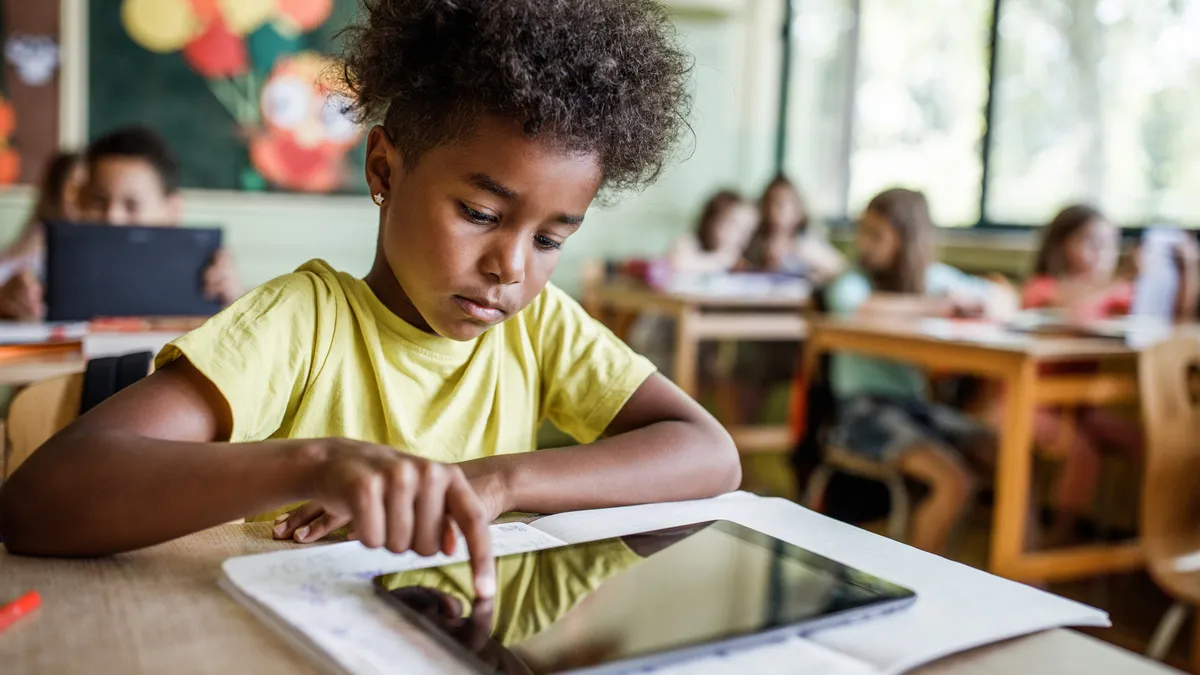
(467, 510)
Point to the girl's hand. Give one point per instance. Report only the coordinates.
(396, 501)
(965, 306)
(221, 279)
(22, 298)
(1186, 253)
(321, 524)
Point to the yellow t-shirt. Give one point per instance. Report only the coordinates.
(315, 354)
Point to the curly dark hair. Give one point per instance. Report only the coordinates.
(597, 76)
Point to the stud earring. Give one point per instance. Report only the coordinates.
(378, 198)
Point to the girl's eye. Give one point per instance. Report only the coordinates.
(546, 243)
(478, 217)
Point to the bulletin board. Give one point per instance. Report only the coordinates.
(243, 90)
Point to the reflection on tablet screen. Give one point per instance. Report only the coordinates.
(589, 604)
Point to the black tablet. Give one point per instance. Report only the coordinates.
(638, 601)
(109, 271)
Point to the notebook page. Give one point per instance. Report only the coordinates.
(325, 594)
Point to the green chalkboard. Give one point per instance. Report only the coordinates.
(213, 121)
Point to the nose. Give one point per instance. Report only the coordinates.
(506, 257)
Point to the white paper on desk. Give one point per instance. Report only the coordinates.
(957, 607)
(325, 595)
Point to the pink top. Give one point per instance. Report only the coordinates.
(1042, 292)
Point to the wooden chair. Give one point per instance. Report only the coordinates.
(43, 409)
(1170, 514)
(812, 392)
(38, 412)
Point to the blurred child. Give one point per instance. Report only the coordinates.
(1076, 271)
(57, 199)
(717, 246)
(884, 413)
(405, 404)
(722, 235)
(783, 242)
(132, 179)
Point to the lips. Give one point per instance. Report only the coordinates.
(480, 309)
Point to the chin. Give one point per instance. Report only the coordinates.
(462, 331)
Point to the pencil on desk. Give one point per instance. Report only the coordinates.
(13, 611)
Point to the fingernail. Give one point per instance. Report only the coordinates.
(485, 587)
(282, 517)
(302, 533)
(280, 529)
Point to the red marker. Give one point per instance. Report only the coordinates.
(13, 611)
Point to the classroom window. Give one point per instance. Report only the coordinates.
(1096, 100)
(1091, 100)
(919, 103)
(821, 96)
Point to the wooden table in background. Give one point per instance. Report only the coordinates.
(989, 351)
(25, 364)
(160, 610)
(22, 364)
(708, 317)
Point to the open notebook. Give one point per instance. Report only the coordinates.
(321, 598)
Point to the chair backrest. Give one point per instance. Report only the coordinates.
(43, 409)
(1170, 393)
(38, 412)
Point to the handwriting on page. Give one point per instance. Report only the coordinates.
(325, 593)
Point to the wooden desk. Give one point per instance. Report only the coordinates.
(24, 364)
(21, 365)
(1012, 359)
(160, 610)
(708, 317)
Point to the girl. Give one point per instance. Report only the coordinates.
(57, 199)
(783, 242)
(719, 244)
(404, 404)
(883, 411)
(1076, 272)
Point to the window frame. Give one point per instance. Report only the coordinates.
(984, 147)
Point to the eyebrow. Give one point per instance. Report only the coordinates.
(488, 184)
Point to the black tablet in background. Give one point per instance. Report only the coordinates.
(118, 271)
(636, 602)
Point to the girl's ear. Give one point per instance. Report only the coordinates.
(383, 162)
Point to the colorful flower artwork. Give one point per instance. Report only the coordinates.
(212, 33)
(298, 133)
(307, 130)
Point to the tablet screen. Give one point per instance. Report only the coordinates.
(609, 601)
